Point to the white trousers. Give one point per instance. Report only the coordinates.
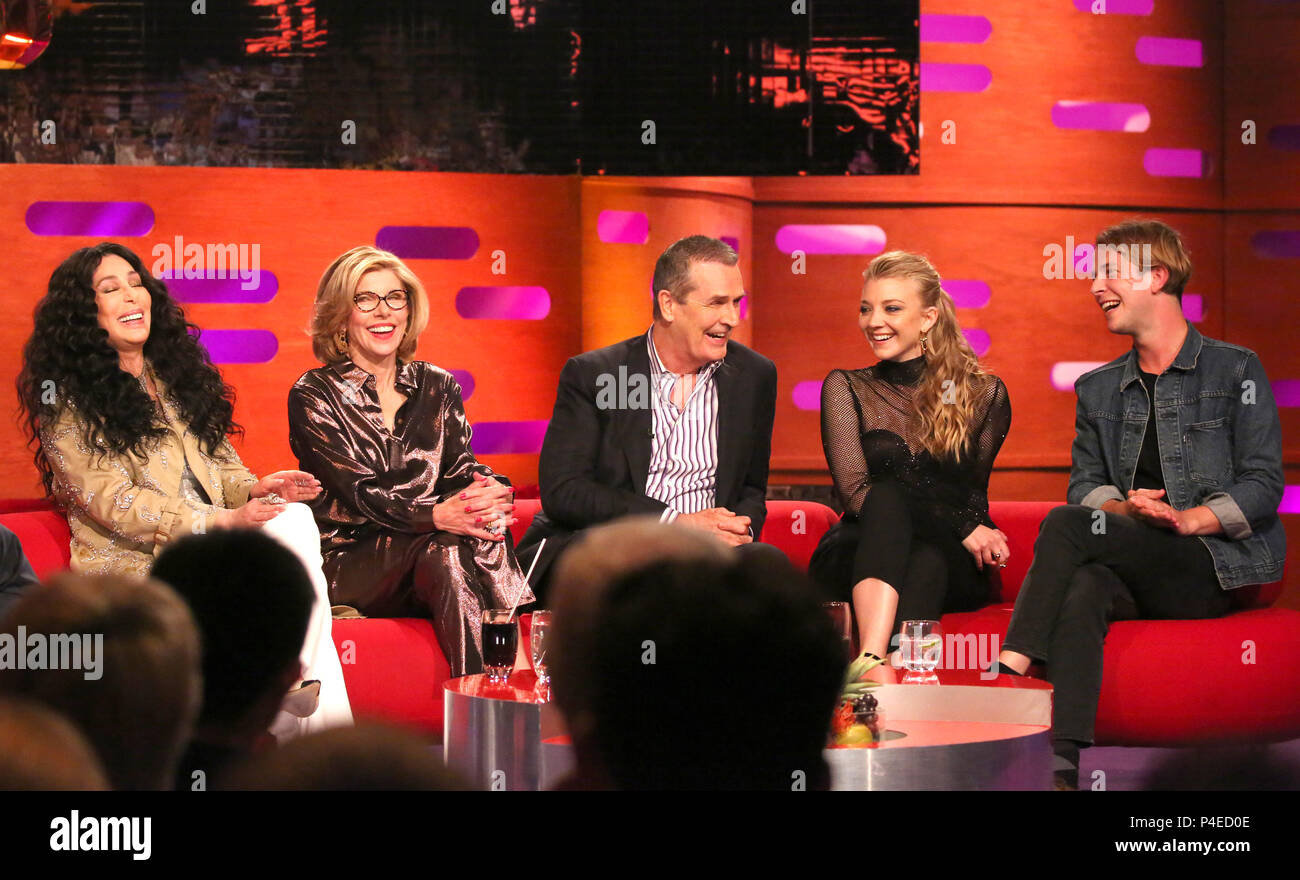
(296, 529)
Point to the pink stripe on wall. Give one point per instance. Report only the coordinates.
(1170, 52)
(807, 395)
(103, 219)
(1290, 500)
(1164, 162)
(955, 28)
(1287, 392)
(239, 346)
(1064, 373)
(508, 438)
(1284, 137)
(623, 227)
(831, 239)
(936, 77)
(1276, 244)
(978, 339)
(968, 294)
(1115, 7)
(1101, 116)
(503, 303)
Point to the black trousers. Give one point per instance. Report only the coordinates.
(920, 557)
(1091, 567)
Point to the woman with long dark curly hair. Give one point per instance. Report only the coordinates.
(130, 417)
(910, 442)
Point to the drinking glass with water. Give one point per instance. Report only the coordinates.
(920, 645)
(541, 628)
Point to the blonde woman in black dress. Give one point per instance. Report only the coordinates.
(910, 443)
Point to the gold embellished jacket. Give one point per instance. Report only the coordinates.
(123, 509)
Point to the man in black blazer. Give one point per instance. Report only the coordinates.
(675, 422)
(16, 575)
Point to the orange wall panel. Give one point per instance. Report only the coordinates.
(617, 277)
(302, 219)
(983, 208)
(1263, 308)
(809, 325)
(1260, 85)
(1006, 148)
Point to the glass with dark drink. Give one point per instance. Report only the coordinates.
(500, 641)
(842, 619)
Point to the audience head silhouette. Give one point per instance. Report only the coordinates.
(128, 653)
(40, 750)
(368, 757)
(679, 665)
(252, 600)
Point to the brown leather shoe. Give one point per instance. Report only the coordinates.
(302, 700)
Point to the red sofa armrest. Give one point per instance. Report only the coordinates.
(45, 537)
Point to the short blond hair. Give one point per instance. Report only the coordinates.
(334, 302)
(1167, 249)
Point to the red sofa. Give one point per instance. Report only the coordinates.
(1165, 682)
(397, 669)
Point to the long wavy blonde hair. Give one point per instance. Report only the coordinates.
(945, 413)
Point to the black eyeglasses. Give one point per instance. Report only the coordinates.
(368, 302)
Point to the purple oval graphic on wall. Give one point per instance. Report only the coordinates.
(1169, 52)
(503, 303)
(508, 438)
(623, 227)
(1164, 162)
(428, 242)
(466, 381)
(1101, 116)
(103, 219)
(978, 339)
(260, 287)
(1277, 244)
(808, 395)
(1115, 7)
(955, 28)
(239, 346)
(831, 238)
(937, 77)
(968, 294)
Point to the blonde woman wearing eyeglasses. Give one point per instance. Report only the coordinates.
(412, 524)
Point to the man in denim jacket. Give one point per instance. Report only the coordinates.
(1175, 482)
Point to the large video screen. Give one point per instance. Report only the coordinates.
(645, 87)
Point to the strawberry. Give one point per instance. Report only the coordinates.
(843, 718)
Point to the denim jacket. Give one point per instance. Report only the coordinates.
(1220, 445)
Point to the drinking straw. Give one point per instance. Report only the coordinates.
(527, 578)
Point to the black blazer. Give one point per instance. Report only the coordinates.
(595, 461)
